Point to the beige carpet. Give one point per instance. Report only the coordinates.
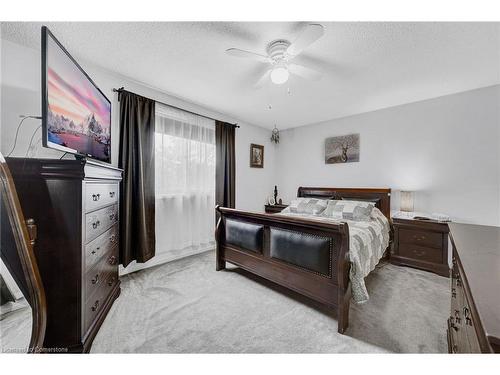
(187, 307)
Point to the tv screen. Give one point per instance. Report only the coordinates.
(76, 115)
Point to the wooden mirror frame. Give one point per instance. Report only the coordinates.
(20, 259)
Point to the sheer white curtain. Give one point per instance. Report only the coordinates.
(185, 182)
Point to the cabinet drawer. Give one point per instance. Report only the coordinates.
(99, 195)
(98, 222)
(470, 331)
(100, 246)
(424, 254)
(421, 238)
(93, 280)
(95, 303)
(95, 277)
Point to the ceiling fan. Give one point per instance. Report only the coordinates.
(280, 54)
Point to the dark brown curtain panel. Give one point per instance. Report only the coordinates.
(225, 164)
(137, 148)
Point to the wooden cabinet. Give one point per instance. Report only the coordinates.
(275, 208)
(75, 204)
(421, 244)
(474, 322)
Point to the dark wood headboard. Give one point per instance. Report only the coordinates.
(381, 197)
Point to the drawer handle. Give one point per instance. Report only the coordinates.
(112, 281)
(111, 217)
(96, 197)
(95, 279)
(453, 293)
(467, 317)
(452, 325)
(112, 260)
(112, 239)
(459, 281)
(466, 311)
(95, 306)
(419, 238)
(111, 194)
(419, 252)
(94, 251)
(95, 224)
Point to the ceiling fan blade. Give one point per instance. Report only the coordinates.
(247, 54)
(263, 80)
(304, 72)
(312, 33)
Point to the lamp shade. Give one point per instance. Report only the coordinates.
(406, 201)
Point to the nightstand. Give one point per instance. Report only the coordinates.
(275, 208)
(421, 244)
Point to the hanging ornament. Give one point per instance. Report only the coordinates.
(275, 135)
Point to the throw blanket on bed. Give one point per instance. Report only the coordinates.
(367, 242)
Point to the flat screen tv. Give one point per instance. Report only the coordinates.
(76, 115)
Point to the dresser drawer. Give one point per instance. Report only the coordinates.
(98, 222)
(93, 280)
(421, 253)
(95, 277)
(98, 195)
(93, 306)
(100, 246)
(421, 238)
(470, 330)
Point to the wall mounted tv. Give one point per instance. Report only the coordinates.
(76, 115)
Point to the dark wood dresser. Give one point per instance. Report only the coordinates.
(421, 244)
(275, 208)
(75, 206)
(474, 322)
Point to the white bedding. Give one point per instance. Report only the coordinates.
(367, 242)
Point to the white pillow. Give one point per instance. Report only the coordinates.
(349, 210)
(311, 206)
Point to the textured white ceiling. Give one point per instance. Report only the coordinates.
(366, 66)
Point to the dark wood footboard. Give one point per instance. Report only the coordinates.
(309, 257)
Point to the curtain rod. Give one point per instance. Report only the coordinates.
(121, 89)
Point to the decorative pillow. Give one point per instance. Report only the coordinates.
(349, 210)
(371, 200)
(311, 206)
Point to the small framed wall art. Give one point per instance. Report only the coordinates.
(256, 156)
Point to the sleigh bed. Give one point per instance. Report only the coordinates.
(308, 256)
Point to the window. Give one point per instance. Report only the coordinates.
(185, 182)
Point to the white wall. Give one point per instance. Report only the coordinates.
(446, 149)
(20, 94)
(254, 185)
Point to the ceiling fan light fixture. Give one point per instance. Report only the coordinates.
(279, 75)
